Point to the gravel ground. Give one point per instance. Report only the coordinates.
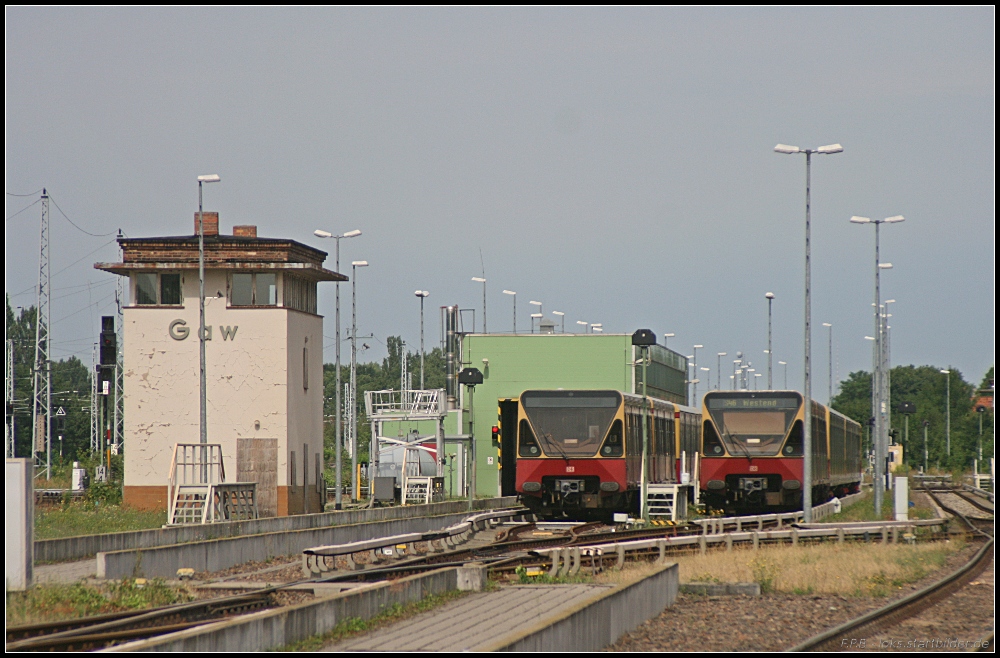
(779, 621)
(961, 505)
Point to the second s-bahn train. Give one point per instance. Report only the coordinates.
(579, 452)
(752, 451)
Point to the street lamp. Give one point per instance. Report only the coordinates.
(533, 316)
(829, 383)
(665, 337)
(878, 410)
(782, 363)
(694, 396)
(563, 317)
(709, 371)
(947, 413)
(514, 295)
(539, 314)
(338, 414)
(719, 367)
(479, 279)
(422, 294)
(585, 325)
(770, 298)
(597, 327)
(207, 178)
(807, 424)
(354, 384)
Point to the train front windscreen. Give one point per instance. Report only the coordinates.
(754, 425)
(570, 423)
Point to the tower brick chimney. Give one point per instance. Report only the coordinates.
(211, 223)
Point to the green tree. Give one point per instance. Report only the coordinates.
(925, 387)
(70, 388)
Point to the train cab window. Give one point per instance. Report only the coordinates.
(712, 444)
(613, 445)
(527, 445)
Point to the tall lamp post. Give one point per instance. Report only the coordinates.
(829, 382)
(947, 412)
(785, 363)
(479, 279)
(354, 384)
(881, 431)
(514, 295)
(694, 396)
(207, 178)
(665, 337)
(770, 298)
(807, 424)
(585, 325)
(536, 315)
(422, 294)
(719, 367)
(338, 431)
(562, 316)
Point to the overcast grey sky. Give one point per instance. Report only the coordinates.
(615, 164)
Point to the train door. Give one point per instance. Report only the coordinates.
(506, 444)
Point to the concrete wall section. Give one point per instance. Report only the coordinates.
(19, 523)
(74, 548)
(271, 629)
(219, 554)
(597, 623)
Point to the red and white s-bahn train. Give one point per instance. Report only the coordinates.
(579, 452)
(752, 451)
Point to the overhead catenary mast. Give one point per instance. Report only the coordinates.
(41, 412)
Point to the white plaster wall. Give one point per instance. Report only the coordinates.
(247, 378)
(305, 407)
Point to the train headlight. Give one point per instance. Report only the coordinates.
(791, 485)
(532, 486)
(609, 486)
(716, 484)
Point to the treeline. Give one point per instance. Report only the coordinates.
(375, 376)
(70, 390)
(927, 388)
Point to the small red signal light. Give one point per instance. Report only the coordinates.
(496, 432)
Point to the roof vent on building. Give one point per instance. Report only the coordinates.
(246, 231)
(211, 223)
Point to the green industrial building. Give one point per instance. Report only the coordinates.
(514, 363)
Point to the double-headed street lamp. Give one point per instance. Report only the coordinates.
(479, 279)
(879, 410)
(514, 295)
(422, 294)
(337, 431)
(807, 424)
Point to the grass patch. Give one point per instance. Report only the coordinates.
(864, 509)
(355, 625)
(851, 569)
(57, 602)
(89, 518)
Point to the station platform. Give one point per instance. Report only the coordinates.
(476, 622)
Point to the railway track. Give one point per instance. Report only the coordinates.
(841, 637)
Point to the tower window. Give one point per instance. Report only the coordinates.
(158, 289)
(253, 289)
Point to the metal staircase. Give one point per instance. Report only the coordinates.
(197, 491)
(666, 502)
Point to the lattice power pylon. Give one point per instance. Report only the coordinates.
(41, 410)
(119, 426)
(95, 401)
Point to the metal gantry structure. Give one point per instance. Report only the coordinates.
(41, 408)
(8, 390)
(118, 435)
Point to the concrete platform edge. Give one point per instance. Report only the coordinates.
(75, 548)
(271, 629)
(219, 554)
(600, 622)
